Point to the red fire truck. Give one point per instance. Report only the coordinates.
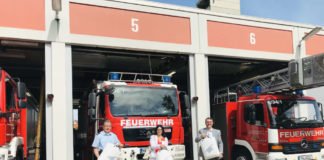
(268, 118)
(18, 115)
(135, 103)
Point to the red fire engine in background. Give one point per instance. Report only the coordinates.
(18, 116)
(268, 117)
(135, 103)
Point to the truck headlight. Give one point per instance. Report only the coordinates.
(2, 157)
(281, 159)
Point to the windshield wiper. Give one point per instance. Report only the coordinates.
(287, 123)
(144, 115)
(122, 115)
(314, 123)
(131, 115)
(162, 115)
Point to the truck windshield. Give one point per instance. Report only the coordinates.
(143, 101)
(294, 114)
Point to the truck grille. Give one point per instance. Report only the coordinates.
(143, 134)
(296, 148)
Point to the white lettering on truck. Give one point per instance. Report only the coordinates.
(146, 122)
(293, 134)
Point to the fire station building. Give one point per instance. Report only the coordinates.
(80, 40)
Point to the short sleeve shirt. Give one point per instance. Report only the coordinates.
(103, 138)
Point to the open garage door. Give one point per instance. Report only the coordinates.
(91, 65)
(223, 72)
(22, 61)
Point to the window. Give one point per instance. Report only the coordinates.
(143, 101)
(247, 108)
(10, 96)
(254, 114)
(302, 113)
(259, 114)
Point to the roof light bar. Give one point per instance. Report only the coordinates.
(257, 89)
(138, 77)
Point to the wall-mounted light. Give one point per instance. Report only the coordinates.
(311, 33)
(195, 99)
(305, 38)
(57, 5)
(50, 98)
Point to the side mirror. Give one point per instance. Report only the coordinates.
(265, 125)
(92, 100)
(21, 90)
(185, 103)
(92, 113)
(252, 113)
(22, 103)
(111, 97)
(92, 105)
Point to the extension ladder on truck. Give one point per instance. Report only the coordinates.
(275, 81)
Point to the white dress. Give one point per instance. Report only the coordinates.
(155, 145)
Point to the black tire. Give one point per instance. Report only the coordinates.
(20, 153)
(240, 153)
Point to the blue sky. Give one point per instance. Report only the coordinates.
(301, 11)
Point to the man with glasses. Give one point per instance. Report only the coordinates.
(209, 131)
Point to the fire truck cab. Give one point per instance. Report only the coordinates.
(272, 126)
(135, 104)
(266, 118)
(18, 115)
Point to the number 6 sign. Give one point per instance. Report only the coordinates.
(252, 38)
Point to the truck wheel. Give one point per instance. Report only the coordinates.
(20, 153)
(241, 154)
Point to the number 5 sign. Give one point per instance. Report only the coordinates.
(134, 24)
(128, 24)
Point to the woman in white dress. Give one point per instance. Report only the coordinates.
(158, 142)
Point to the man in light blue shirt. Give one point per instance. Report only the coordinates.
(104, 137)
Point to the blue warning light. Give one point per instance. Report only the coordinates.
(166, 79)
(299, 92)
(114, 76)
(256, 89)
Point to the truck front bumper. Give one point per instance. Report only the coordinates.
(299, 156)
(133, 153)
(3, 153)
